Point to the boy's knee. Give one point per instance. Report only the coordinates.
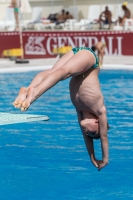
(65, 73)
(62, 73)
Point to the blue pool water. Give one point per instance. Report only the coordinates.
(48, 160)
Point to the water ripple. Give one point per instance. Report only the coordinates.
(48, 160)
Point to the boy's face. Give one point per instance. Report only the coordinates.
(90, 127)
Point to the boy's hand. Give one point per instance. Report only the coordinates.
(99, 164)
(96, 163)
(103, 164)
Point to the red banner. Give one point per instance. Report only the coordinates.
(41, 44)
(9, 40)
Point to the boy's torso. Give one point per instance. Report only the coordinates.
(85, 91)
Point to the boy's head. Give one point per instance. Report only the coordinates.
(91, 127)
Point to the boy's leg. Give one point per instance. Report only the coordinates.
(79, 63)
(39, 78)
(17, 21)
(42, 75)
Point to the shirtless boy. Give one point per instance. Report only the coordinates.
(82, 65)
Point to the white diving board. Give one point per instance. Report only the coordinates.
(9, 118)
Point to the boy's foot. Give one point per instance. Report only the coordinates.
(20, 98)
(31, 97)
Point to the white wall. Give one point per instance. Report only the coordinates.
(3, 6)
(57, 5)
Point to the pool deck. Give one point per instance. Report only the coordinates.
(110, 63)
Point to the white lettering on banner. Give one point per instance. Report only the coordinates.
(92, 41)
(105, 49)
(76, 41)
(34, 46)
(54, 42)
(81, 41)
(119, 39)
(48, 45)
(110, 46)
(70, 42)
(62, 41)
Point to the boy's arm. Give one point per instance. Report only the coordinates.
(90, 148)
(103, 136)
(88, 142)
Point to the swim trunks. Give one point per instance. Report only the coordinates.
(76, 49)
(106, 21)
(16, 10)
